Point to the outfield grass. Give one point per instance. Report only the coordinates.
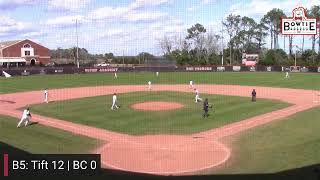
(291, 143)
(39, 139)
(272, 79)
(95, 111)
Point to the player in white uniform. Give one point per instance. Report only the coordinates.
(287, 75)
(149, 85)
(26, 115)
(197, 98)
(157, 73)
(46, 96)
(115, 76)
(114, 101)
(191, 84)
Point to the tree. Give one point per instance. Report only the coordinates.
(273, 20)
(248, 26)
(259, 34)
(302, 46)
(274, 57)
(314, 12)
(308, 56)
(166, 45)
(211, 46)
(109, 55)
(181, 56)
(268, 59)
(195, 31)
(196, 38)
(144, 56)
(232, 26)
(290, 45)
(268, 23)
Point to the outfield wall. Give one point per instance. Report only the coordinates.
(25, 71)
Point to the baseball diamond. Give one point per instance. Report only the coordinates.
(154, 148)
(160, 88)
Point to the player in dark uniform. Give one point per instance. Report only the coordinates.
(206, 108)
(254, 95)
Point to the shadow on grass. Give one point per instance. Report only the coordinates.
(33, 123)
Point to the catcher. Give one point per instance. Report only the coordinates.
(206, 107)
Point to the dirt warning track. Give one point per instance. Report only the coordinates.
(162, 154)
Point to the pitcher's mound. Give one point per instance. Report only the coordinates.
(157, 106)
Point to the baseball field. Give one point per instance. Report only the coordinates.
(162, 131)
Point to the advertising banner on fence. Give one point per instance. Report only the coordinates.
(96, 70)
(286, 68)
(269, 68)
(198, 68)
(42, 72)
(221, 69)
(236, 68)
(58, 71)
(25, 73)
(295, 68)
(304, 69)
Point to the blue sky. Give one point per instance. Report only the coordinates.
(125, 26)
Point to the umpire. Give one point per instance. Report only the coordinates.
(206, 108)
(254, 95)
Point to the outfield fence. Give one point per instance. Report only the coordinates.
(25, 71)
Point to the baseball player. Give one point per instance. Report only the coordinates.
(115, 76)
(191, 84)
(26, 116)
(157, 73)
(197, 98)
(46, 95)
(254, 95)
(149, 85)
(114, 102)
(206, 106)
(287, 75)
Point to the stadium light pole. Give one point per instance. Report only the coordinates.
(77, 44)
(122, 57)
(143, 57)
(313, 53)
(77, 37)
(222, 42)
(284, 42)
(295, 59)
(295, 55)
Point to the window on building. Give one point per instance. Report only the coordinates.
(27, 46)
(27, 53)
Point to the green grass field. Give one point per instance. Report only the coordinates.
(272, 79)
(41, 139)
(95, 111)
(291, 143)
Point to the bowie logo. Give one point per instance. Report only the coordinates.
(299, 24)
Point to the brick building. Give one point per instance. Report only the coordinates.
(23, 52)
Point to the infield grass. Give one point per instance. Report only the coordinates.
(39, 139)
(272, 79)
(95, 111)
